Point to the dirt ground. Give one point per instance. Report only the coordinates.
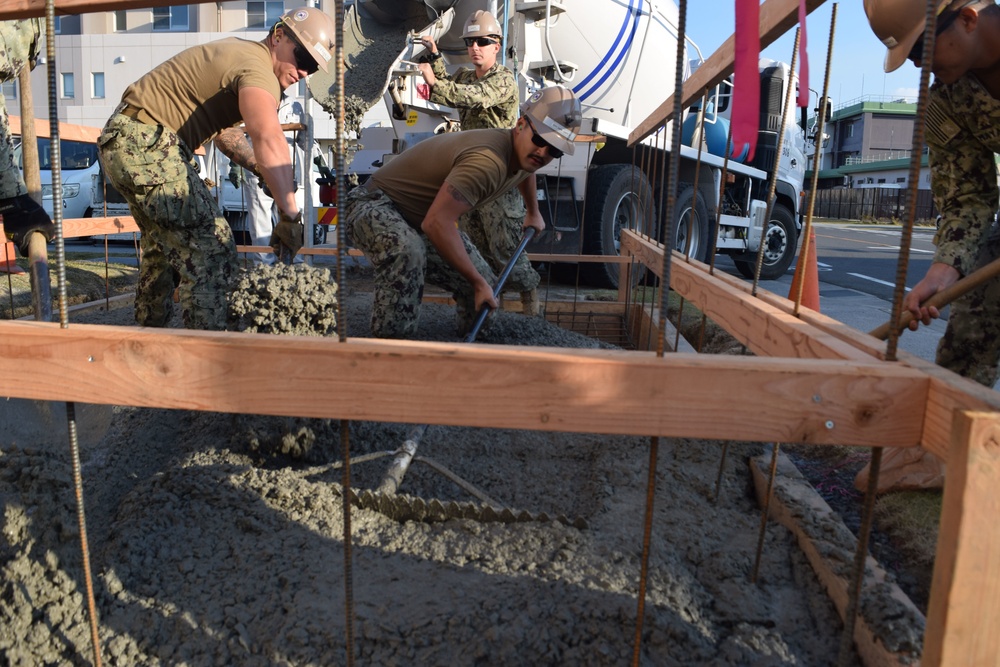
(218, 540)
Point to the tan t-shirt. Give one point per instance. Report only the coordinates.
(474, 162)
(196, 93)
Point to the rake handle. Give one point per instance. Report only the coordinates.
(529, 234)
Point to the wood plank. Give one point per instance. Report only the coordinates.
(776, 18)
(829, 546)
(77, 227)
(949, 391)
(599, 391)
(964, 611)
(763, 328)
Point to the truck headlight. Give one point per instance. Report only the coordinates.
(46, 192)
(71, 190)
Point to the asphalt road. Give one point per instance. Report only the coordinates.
(857, 275)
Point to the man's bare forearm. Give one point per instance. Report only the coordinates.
(234, 145)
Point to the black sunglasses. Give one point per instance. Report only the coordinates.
(536, 139)
(944, 22)
(480, 41)
(303, 60)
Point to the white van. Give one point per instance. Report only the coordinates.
(79, 167)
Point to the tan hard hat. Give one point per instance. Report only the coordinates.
(481, 24)
(555, 114)
(899, 24)
(315, 30)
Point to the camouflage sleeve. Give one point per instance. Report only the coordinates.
(495, 89)
(963, 180)
(439, 71)
(18, 46)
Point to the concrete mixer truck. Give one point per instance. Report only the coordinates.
(618, 56)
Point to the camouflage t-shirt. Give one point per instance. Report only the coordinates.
(963, 133)
(196, 93)
(476, 163)
(490, 101)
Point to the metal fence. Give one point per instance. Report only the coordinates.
(883, 204)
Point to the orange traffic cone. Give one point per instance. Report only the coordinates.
(807, 271)
(8, 255)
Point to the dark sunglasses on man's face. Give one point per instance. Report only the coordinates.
(303, 60)
(479, 41)
(536, 139)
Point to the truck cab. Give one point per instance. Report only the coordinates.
(79, 167)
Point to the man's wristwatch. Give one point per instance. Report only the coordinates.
(434, 56)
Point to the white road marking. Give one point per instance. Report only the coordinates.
(896, 247)
(875, 280)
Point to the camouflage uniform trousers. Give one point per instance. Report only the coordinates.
(185, 240)
(18, 44)
(404, 260)
(496, 229)
(971, 343)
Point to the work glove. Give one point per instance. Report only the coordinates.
(22, 217)
(287, 237)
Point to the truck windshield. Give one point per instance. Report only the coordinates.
(75, 154)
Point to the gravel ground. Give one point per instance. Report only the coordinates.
(218, 540)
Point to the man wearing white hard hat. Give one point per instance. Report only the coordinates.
(485, 96)
(405, 218)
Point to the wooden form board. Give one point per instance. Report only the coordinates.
(599, 391)
(766, 325)
(776, 18)
(963, 615)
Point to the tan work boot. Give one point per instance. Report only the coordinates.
(529, 303)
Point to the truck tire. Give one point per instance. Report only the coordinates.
(692, 225)
(779, 247)
(616, 200)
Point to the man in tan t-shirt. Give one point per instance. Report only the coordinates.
(146, 150)
(405, 218)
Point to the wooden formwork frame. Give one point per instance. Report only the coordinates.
(815, 381)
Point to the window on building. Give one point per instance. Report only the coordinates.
(901, 179)
(68, 89)
(881, 180)
(10, 90)
(850, 130)
(66, 25)
(263, 15)
(121, 24)
(98, 85)
(172, 19)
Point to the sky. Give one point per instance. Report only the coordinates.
(856, 66)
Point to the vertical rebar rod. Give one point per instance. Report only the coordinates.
(772, 182)
(74, 443)
(844, 658)
(654, 444)
(775, 449)
(345, 425)
(647, 535)
(916, 152)
(817, 157)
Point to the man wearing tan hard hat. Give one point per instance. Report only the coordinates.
(146, 150)
(963, 134)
